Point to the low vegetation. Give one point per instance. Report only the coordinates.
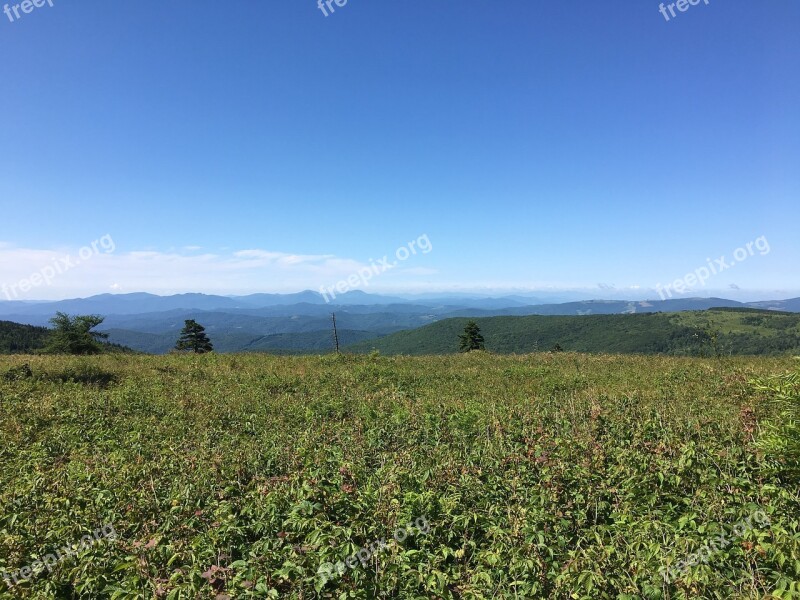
(780, 440)
(555, 475)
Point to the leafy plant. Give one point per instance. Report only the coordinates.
(780, 437)
(555, 475)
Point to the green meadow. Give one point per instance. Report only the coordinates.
(544, 475)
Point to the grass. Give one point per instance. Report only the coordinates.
(540, 476)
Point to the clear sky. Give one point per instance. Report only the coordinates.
(261, 146)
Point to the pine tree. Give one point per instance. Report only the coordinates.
(471, 339)
(194, 339)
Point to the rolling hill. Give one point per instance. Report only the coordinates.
(722, 331)
(298, 323)
(19, 339)
(16, 338)
(298, 342)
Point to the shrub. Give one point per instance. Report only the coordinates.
(17, 373)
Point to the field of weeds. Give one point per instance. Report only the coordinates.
(251, 476)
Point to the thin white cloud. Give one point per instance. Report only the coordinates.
(241, 271)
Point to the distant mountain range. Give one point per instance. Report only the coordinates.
(300, 322)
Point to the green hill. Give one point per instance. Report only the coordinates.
(723, 331)
(16, 338)
(21, 339)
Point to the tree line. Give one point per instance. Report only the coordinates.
(77, 335)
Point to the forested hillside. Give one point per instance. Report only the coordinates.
(18, 339)
(701, 333)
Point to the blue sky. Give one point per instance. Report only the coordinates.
(261, 146)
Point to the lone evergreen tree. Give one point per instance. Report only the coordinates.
(193, 338)
(471, 339)
(74, 335)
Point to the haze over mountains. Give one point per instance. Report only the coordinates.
(300, 322)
